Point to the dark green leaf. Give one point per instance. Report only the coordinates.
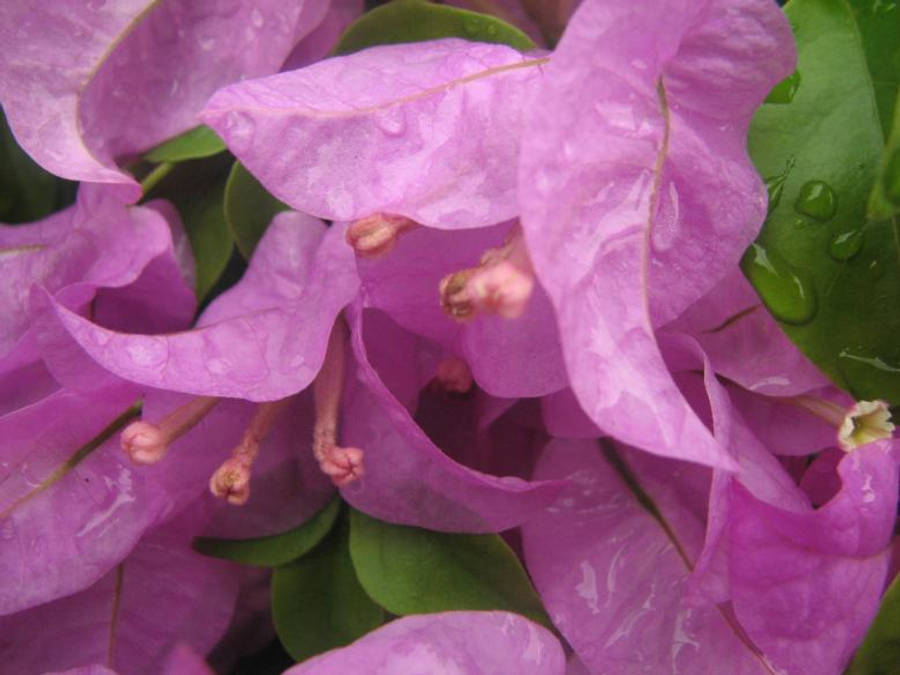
(249, 208)
(197, 189)
(27, 192)
(317, 602)
(418, 21)
(878, 28)
(880, 652)
(278, 549)
(824, 270)
(195, 143)
(408, 570)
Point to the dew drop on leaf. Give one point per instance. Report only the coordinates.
(789, 296)
(817, 200)
(784, 91)
(846, 245)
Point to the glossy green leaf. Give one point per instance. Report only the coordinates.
(408, 570)
(249, 208)
(197, 189)
(27, 192)
(884, 201)
(418, 21)
(196, 143)
(278, 549)
(880, 651)
(825, 271)
(317, 602)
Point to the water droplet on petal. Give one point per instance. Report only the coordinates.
(788, 294)
(846, 245)
(392, 121)
(817, 200)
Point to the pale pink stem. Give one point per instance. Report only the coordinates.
(231, 481)
(343, 465)
(147, 443)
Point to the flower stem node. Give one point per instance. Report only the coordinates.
(147, 443)
(865, 422)
(342, 465)
(231, 481)
(502, 283)
(375, 235)
(144, 443)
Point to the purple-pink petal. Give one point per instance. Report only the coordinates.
(407, 479)
(614, 580)
(475, 643)
(351, 136)
(259, 341)
(744, 342)
(62, 527)
(806, 585)
(629, 194)
(161, 594)
(85, 86)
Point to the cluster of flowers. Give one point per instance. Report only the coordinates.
(525, 311)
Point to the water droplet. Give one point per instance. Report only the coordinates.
(256, 18)
(789, 296)
(784, 91)
(890, 181)
(392, 121)
(775, 186)
(846, 245)
(817, 200)
(875, 271)
(492, 30)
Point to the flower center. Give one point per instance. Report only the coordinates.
(377, 234)
(454, 376)
(864, 422)
(501, 284)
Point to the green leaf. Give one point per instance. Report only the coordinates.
(249, 208)
(880, 651)
(878, 27)
(197, 189)
(275, 550)
(418, 21)
(195, 143)
(27, 192)
(884, 201)
(317, 602)
(824, 270)
(408, 570)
